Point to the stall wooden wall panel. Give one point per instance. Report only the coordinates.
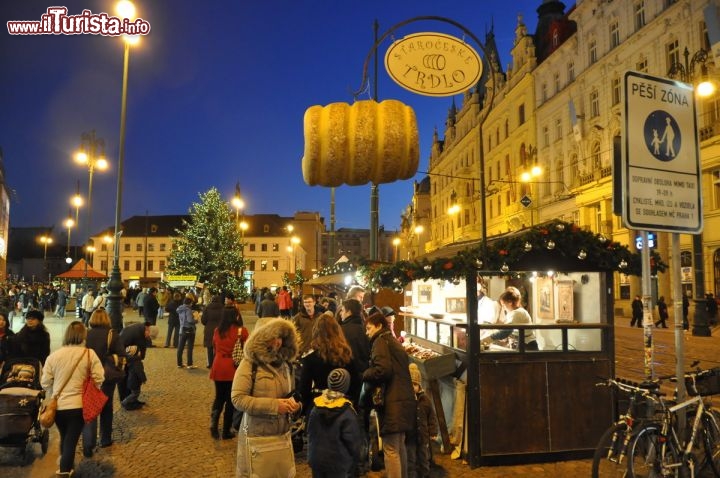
(514, 408)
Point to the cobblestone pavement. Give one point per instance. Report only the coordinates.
(170, 437)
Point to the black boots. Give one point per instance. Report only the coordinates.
(214, 420)
(227, 433)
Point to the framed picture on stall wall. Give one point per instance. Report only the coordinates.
(424, 294)
(545, 298)
(455, 305)
(565, 301)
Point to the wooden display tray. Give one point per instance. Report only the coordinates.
(435, 367)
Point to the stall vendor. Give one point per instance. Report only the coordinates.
(515, 314)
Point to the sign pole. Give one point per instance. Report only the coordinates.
(647, 308)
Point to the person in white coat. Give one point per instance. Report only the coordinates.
(66, 369)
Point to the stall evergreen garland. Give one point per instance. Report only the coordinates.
(559, 242)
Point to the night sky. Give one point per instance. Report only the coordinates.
(217, 94)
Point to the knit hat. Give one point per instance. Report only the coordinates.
(35, 314)
(415, 375)
(339, 380)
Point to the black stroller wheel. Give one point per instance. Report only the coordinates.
(44, 440)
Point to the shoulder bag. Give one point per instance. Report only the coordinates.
(47, 414)
(269, 456)
(93, 399)
(237, 353)
(114, 364)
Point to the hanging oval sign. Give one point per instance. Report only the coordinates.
(433, 64)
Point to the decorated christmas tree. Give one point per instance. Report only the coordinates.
(209, 246)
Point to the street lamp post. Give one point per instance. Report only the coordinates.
(530, 177)
(453, 210)
(685, 72)
(69, 223)
(125, 9)
(45, 240)
(294, 241)
(107, 239)
(92, 155)
(418, 232)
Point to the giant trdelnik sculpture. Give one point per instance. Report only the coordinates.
(366, 142)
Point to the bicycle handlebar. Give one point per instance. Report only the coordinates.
(645, 389)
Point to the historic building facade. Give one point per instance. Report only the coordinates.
(555, 115)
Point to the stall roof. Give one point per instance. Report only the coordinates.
(77, 271)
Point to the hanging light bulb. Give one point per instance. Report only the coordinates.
(550, 245)
(602, 238)
(527, 247)
(560, 227)
(582, 254)
(478, 263)
(623, 264)
(427, 268)
(504, 268)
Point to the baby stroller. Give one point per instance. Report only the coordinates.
(20, 399)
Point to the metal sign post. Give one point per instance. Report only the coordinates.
(660, 179)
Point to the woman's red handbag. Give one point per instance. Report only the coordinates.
(93, 398)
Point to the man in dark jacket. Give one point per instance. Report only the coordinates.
(268, 306)
(389, 368)
(134, 338)
(211, 319)
(354, 330)
(305, 319)
(151, 306)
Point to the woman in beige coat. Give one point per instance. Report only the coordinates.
(270, 349)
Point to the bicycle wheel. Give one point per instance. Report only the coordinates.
(711, 438)
(645, 455)
(609, 460)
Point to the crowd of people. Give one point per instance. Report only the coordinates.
(311, 364)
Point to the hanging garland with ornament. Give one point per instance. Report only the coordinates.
(559, 242)
(337, 268)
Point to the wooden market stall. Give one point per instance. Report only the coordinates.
(534, 405)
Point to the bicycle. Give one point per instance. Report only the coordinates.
(656, 450)
(610, 453)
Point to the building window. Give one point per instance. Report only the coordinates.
(103, 265)
(614, 34)
(560, 175)
(126, 265)
(263, 265)
(138, 247)
(162, 265)
(138, 265)
(596, 158)
(685, 259)
(543, 92)
(558, 129)
(266, 228)
(672, 51)
(275, 265)
(507, 129)
(556, 81)
(592, 50)
(594, 104)
(275, 247)
(162, 247)
(521, 114)
(616, 91)
(546, 136)
(127, 247)
(252, 247)
(103, 247)
(263, 247)
(151, 247)
(150, 265)
(716, 188)
(639, 9)
(571, 71)
(642, 65)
